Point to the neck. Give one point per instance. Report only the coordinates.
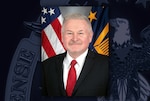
(75, 55)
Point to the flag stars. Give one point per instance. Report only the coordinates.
(51, 11)
(43, 20)
(44, 11)
(92, 16)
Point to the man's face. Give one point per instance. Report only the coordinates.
(76, 36)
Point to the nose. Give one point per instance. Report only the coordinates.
(75, 37)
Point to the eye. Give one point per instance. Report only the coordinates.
(80, 33)
(69, 33)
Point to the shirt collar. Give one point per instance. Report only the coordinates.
(80, 60)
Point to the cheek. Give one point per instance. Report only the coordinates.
(65, 40)
(86, 41)
(89, 38)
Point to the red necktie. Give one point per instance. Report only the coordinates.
(71, 78)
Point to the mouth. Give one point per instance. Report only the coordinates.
(74, 44)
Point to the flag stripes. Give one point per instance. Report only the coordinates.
(51, 34)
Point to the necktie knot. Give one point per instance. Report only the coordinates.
(73, 62)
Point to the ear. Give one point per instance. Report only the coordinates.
(62, 37)
(91, 36)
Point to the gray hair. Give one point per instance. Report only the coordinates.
(77, 16)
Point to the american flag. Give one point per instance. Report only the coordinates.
(51, 21)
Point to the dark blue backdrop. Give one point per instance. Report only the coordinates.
(13, 14)
(126, 59)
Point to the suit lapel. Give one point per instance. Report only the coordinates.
(59, 67)
(89, 61)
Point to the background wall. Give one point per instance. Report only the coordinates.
(130, 68)
(79, 9)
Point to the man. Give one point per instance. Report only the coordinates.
(90, 70)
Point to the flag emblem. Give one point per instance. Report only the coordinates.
(98, 17)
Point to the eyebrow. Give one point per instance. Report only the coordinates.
(69, 30)
(80, 30)
(72, 31)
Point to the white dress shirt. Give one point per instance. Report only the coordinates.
(66, 65)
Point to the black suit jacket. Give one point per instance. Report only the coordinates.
(93, 79)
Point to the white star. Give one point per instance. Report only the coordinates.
(43, 20)
(51, 11)
(44, 11)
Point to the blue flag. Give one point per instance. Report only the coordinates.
(99, 19)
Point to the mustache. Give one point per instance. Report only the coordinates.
(74, 43)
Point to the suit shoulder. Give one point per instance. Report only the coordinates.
(96, 55)
(54, 58)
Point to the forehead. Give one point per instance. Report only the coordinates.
(75, 19)
(75, 22)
